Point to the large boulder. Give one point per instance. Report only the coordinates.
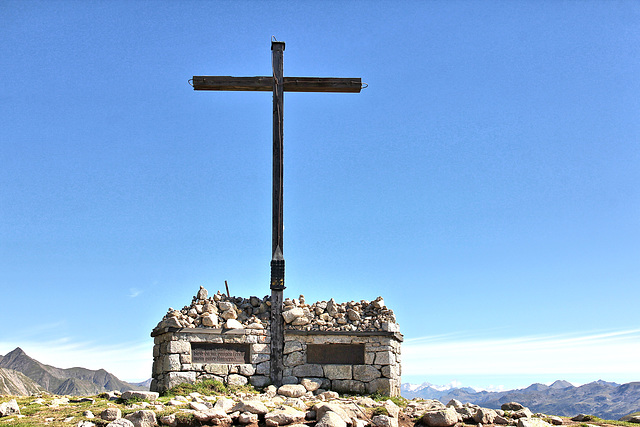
(151, 396)
(9, 408)
(292, 390)
(142, 418)
(484, 416)
(331, 419)
(511, 406)
(532, 422)
(111, 414)
(283, 417)
(253, 406)
(440, 418)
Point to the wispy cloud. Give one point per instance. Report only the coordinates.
(134, 292)
(611, 352)
(128, 361)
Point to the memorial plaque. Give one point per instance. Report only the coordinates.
(335, 354)
(231, 354)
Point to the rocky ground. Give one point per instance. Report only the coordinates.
(290, 405)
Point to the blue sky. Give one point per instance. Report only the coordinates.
(485, 183)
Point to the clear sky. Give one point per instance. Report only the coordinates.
(485, 183)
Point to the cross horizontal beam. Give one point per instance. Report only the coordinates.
(265, 83)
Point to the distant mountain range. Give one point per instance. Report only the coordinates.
(23, 375)
(606, 400)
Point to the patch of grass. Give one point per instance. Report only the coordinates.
(380, 410)
(598, 420)
(203, 387)
(398, 400)
(131, 401)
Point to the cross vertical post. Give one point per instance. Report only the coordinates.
(278, 84)
(277, 257)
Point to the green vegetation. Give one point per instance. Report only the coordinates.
(208, 387)
(380, 410)
(398, 400)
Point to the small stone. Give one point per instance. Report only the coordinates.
(331, 419)
(111, 414)
(144, 418)
(202, 293)
(121, 422)
(233, 324)
(292, 390)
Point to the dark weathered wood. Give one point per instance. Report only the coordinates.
(265, 84)
(278, 84)
(277, 259)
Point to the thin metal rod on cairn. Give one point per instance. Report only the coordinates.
(277, 227)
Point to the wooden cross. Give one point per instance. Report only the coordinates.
(278, 85)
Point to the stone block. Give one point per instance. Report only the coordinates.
(289, 380)
(259, 381)
(171, 362)
(310, 370)
(348, 386)
(236, 379)
(156, 350)
(260, 349)
(263, 368)
(338, 372)
(258, 358)
(365, 373)
(216, 368)
(380, 385)
(369, 357)
(385, 358)
(176, 378)
(294, 359)
(246, 369)
(178, 347)
(185, 358)
(291, 346)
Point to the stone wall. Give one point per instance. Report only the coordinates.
(349, 347)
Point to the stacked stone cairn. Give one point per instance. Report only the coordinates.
(222, 311)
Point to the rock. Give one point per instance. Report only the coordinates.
(210, 320)
(365, 373)
(296, 402)
(511, 406)
(88, 414)
(252, 406)
(85, 423)
(311, 384)
(237, 380)
(9, 408)
(522, 413)
(454, 403)
(556, 421)
(232, 324)
(292, 390)
(308, 370)
(391, 408)
(367, 402)
(229, 315)
(581, 417)
(344, 412)
(224, 404)
(293, 314)
(213, 416)
(485, 416)
(150, 396)
(331, 419)
(337, 372)
(247, 418)
(111, 414)
(532, 422)
(202, 293)
(440, 418)
(281, 417)
(384, 421)
(198, 406)
(120, 422)
(169, 420)
(142, 418)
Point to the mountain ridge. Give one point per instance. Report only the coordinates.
(604, 399)
(75, 381)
